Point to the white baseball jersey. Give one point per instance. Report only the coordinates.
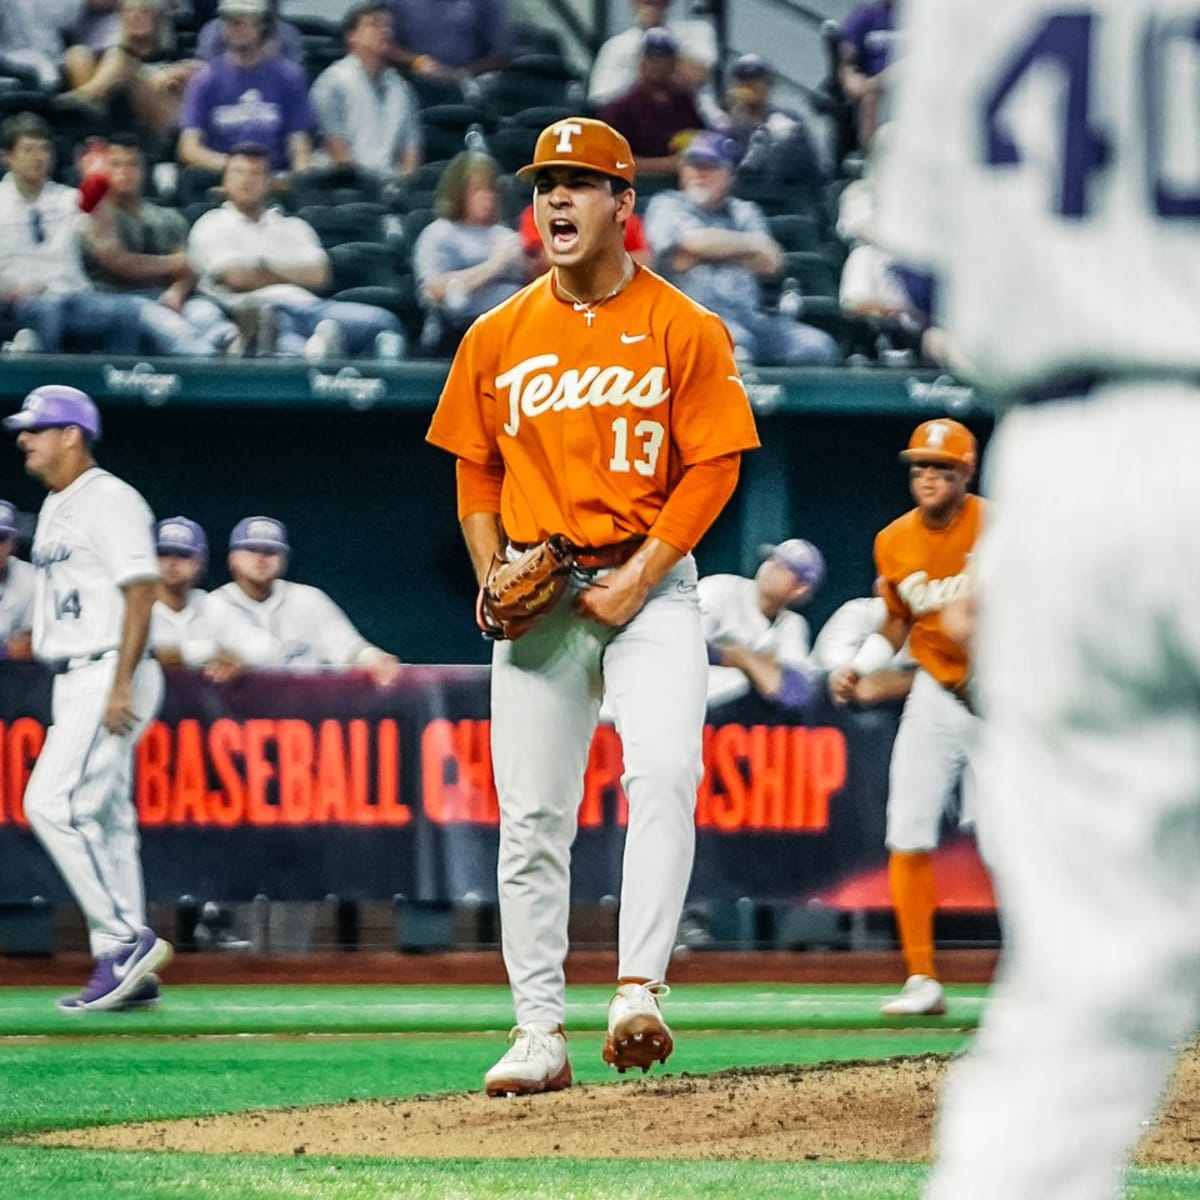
(1028, 134)
(16, 598)
(848, 626)
(296, 626)
(730, 612)
(187, 630)
(93, 537)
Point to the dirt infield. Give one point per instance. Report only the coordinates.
(879, 1112)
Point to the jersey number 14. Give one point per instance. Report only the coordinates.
(1066, 43)
(66, 604)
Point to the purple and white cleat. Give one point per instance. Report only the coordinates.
(124, 979)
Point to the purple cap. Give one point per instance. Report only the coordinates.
(259, 533)
(8, 519)
(657, 40)
(53, 406)
(179, 535)
(802, 558)
(752, 66)
(711, 149)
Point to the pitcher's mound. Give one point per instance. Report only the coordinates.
(880, 1111)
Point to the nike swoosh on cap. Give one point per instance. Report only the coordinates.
(631, 339)
(621, 165)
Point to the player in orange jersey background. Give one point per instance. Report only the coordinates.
(602, 404)
(921, 559)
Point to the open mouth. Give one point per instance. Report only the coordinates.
(564, 236)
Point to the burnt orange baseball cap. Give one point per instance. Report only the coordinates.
(582, 142)
(941, 440)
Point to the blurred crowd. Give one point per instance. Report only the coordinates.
(209, 178)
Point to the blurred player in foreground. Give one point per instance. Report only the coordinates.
(1050, 182)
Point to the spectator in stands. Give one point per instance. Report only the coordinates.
(251, 257)
(16, 591)
(180, 633)
(42, 281)
(657, 113)
(772, 141)
(536, 262)
(615, 69)
(466, 261)
(755, 638)
(137, 248)
(714, 246)
(284, 624)
(32, 38)
(864, 47)
(370, 116)
(871, 285)
(248, 94)
(450, 41)
(282, 37)
(842, 636)
(138, 67)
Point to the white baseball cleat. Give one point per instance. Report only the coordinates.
(922, 996)
(637, 1034)
(536, 1061)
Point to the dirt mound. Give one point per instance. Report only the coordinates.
(875, 1111)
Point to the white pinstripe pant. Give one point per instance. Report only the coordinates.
(1088, 661)
(79, 799)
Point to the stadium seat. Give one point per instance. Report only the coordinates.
(512, 146)
(445, 127)
(363, 264)
(361, 221)
(414, 221)
(533, 39)
(531, 80)
(432, 90)
(795, 231)
(813, 271)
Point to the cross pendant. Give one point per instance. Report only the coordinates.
(589, 316)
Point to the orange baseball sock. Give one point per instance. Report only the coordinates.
(914, 897)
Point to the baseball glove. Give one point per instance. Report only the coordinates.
(516, 594)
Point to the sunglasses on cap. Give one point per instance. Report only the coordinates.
(947, 470)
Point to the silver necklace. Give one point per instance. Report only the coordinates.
(587, 307)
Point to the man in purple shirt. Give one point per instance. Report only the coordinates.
(450, 39)
(865, 43)
(657, 109)
(248, 94)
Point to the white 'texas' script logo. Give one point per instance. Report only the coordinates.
(533, 390)
(924, 595)
(566, 131)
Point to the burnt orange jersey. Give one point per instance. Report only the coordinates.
(593, 420)
(923, 569)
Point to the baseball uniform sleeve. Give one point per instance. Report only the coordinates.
(714, 595)
(233, 630)
(464, 421)
(338, 642)
(710, 411)
(885, 572)
(122, 528)
(794, 642)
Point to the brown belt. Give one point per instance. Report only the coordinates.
(597, 558)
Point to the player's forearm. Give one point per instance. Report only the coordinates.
(754, 250)
(484, 536)
(194, 153)
(135, 629)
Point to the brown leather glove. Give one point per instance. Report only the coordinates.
(516, 594)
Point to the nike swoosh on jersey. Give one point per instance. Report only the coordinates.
(632, 339)
(738, 380)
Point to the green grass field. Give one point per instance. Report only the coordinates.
(228, 1049)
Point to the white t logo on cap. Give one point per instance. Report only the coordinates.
(935, 435)
(566, 131)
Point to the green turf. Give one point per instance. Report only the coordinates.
(105, 1175)
(52, 1084)
(199, 1055)
(407, 1009)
